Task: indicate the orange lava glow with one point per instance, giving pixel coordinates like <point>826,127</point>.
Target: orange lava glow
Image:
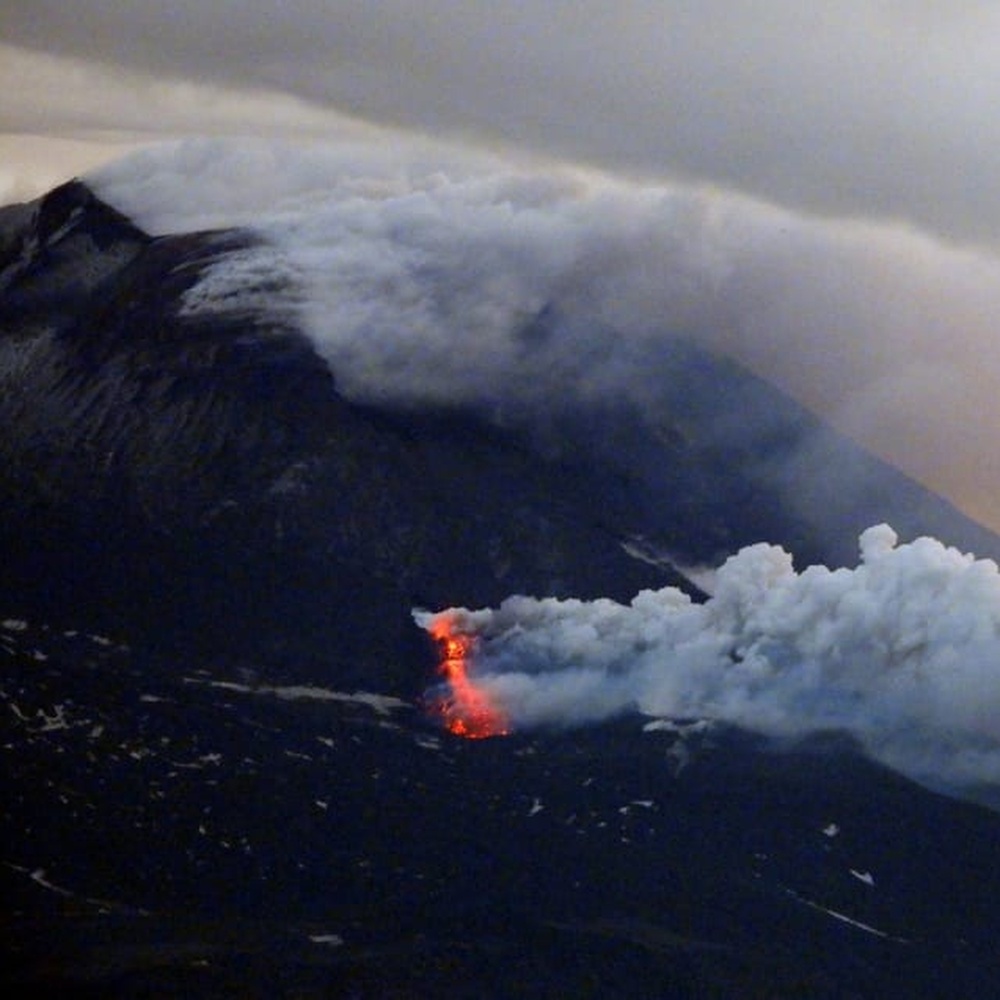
<point>467,710</point>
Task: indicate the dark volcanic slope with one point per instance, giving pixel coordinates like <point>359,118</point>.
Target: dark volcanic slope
<point>182,833</point>
<point>202,475</point>
<point>206,550</point>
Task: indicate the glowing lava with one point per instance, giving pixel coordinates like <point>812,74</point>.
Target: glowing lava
<point>467,710</point>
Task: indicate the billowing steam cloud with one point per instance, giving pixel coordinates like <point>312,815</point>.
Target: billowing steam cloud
<point>902,651</point>
<point>422,273</point>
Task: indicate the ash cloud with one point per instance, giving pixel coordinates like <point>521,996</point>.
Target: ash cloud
<point>901,651</point>
<point>423,271</point>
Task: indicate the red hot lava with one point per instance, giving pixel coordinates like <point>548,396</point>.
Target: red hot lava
<point>467,710</point>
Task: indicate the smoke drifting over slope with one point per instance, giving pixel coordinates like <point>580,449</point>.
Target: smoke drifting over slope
<point>421,274</point>
<point>901,651</point>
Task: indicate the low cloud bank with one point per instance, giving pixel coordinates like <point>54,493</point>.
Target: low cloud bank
<point>902,651</point>
<point>422,273</point>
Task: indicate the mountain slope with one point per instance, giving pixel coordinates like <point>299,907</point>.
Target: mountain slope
<point>193,472</point>
<point>192,832</point>
<point>219,778</point>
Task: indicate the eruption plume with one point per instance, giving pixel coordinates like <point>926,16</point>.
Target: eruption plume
<point>902,652</point>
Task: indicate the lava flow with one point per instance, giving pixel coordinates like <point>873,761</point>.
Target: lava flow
<point>467,710</point>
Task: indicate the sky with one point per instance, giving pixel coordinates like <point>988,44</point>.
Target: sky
<point>871,122</point>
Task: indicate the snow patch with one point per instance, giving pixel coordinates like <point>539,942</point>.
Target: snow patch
<point>843,918</point>
<point>331,940</point>
<point>382,704</point>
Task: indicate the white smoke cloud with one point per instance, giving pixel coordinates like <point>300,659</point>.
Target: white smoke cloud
<point>902,651</point>
<point>422,268</point>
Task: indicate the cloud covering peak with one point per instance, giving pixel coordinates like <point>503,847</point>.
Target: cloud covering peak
<point>421,271</point>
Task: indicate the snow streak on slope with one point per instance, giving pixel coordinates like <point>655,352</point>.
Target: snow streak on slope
<point>902,651</point>
<point>421,273</point>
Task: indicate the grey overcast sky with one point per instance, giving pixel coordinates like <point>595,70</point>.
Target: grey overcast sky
<point>882,109</point>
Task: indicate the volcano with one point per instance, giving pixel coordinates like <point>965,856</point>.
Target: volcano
<point>221,775</point>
